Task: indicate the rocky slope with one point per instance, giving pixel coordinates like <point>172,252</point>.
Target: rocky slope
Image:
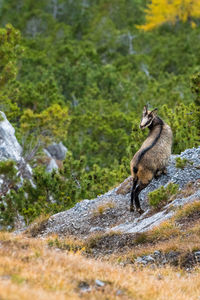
<point>110,212</point>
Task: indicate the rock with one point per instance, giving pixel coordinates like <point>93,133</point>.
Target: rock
<point>148,259</point>
<point>157,253</point>
<point>138,260</point>
<point>52,165</point>
<point>144,260</point>
<point>99,283</point>
<point>84,287</point>
<point>9,146</point>
<point>57,151</point>
<point>95,229</point>
<point>119,293</point>
<point>11,149</point>
<point>81,219</point>
<point>19,222</point>
<point>197,256</point>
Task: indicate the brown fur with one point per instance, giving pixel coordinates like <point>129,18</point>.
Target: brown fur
<point>157,157</point>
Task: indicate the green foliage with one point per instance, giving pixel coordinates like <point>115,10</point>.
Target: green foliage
<point>184,121</point>
<point>195,85</point>
<point>161,196</point>
<point>50,124</point>
<point>9,51</point>
<point>182,162</point>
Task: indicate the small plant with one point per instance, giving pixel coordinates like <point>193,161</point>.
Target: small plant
<point>68,244</point>
<point>103,208</point>
<point>38,225</point>
<point>181,163</point>
<point>165,230</point>
<point>161,196</point>
<point>93,240</point>
<point>141,238</point>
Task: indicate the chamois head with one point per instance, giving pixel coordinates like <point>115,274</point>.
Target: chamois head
<point>147,117</point>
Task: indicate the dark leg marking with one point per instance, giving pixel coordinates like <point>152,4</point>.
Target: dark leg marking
<point>133,194</point>
<point>138,189</point>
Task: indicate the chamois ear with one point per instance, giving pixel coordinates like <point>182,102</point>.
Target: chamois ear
<point>145,110</point>
<point>154,112</point>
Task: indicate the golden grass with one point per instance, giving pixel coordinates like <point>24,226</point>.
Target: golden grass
<point>103,208</point>
<point>29,269</point>
<point>38,224</point>
<point>187,210</point>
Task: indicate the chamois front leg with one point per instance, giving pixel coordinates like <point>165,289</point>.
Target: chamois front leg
<point>133,194</point>
<point>138,189</point>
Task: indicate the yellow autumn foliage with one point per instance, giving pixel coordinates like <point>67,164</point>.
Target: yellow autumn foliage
<point>159,12</point>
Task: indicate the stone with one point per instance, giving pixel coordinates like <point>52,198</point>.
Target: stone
<point>148,258</point>
<point>10,149</point>
<point>52,165</point>
<point>99,283</point>
<point>57,151</point>
<point>84,287</point>
<point>157,253</point>
<point>95,229</point>
<point>9,146</point>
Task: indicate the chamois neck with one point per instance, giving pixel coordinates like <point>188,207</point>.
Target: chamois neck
<point>156,122</point>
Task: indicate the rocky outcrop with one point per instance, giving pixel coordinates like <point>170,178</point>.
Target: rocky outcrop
<point>110,212</point>
<point>56,153</point>
<point>10,149</point>
<point>9,146</point>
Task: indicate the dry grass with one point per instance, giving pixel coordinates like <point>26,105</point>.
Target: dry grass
<point>103,208</point>
<point>29,269</point>
<point>187,210</point>
<point>38,224</point>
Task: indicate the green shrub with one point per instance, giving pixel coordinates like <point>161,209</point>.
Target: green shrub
<point>161,196</point>
<point>182,162</point>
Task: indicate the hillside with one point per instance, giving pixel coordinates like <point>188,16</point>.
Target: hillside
<point>77,254</point>
<point>110,212</point>
<point>32,269</point>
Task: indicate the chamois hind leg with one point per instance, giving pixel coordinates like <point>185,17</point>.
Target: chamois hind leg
<point>146,176</point>
<point>133,194</point>
<point>139,188</point>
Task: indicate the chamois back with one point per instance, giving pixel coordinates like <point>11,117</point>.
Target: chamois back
<point>153,156</point>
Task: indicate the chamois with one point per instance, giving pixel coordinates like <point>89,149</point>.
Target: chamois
<point>151,159</point>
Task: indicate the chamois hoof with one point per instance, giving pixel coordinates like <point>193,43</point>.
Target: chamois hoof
<point>132,208</point>
<point>140,211</point>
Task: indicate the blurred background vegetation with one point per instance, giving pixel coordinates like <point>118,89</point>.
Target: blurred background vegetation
<point>80,72</point>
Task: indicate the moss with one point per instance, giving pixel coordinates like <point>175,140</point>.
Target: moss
<point>161,196</point>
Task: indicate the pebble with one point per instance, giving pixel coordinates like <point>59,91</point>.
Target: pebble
<point>84,287</point>
<point>157,253</point>
<point>148,258</point>
<point>99,283</point>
